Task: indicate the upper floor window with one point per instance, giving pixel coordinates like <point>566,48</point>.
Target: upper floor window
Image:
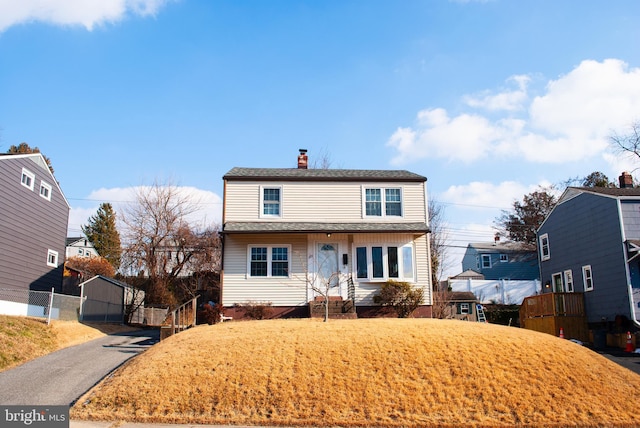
<point>486,261</point>
<point>28,178</point>
<point>587,277</point>
<point>385,262</point>
<point>45,190</point>
<point>381,202</point>
<point>269,261</point>
<point>504,257</point>
<point>271,201</point>
<point>545,254</point>
<point>52,258</point>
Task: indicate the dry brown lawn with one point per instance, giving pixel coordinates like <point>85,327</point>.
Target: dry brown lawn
<point>367,372</point>
<point>23,339</point>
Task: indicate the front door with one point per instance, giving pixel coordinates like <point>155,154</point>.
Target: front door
<point>328,271</point>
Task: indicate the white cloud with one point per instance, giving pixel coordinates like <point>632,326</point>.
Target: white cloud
<point>482,194</point>
<point>87,13</point>
<point>207,214</point>
<point>509,100</point>
<point>571,121</point>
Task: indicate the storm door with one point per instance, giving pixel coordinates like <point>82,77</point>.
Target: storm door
<point>328,271</point>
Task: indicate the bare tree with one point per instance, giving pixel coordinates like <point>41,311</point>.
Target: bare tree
<point>438,238</point>
<point>161,245</point>
<point>322,280</point>
<point>441,304</point>
<point>629,143</point>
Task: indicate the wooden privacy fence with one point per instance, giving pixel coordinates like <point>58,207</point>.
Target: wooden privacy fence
<point>180,319</point>
<point>549,312</point>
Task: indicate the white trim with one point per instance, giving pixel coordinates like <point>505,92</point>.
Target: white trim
<point>543,256</point>
<point>383,201</point>
<point>269,260</point>
<point>52,258</point>
<point>482,259</point>
<point>557,275</point>
<point>385,262</point>
<point>280,205</point>
<point>587,277</point>
<point>27,179</point>
<point>47,190</point>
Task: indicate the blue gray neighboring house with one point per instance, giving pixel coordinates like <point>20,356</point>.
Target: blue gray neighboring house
<point>590,242</point>
<point>502,260</point>
<point>33,224</point>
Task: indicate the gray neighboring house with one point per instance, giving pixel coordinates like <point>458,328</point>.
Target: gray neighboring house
<point>106,299</point>
<point>590,243</point>
<point>34,215</point>
<point>502,260</point>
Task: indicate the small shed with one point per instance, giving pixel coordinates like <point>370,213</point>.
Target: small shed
<point>106,299</point>
<point>463,305</point>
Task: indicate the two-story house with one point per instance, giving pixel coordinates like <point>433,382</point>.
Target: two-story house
<point>502,260</point>
<point>292,232</point>
<point>80,247</point>
<point>33,224</point>
<point>590,243</point>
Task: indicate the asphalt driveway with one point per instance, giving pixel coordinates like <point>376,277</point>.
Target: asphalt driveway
<point>61,377</point>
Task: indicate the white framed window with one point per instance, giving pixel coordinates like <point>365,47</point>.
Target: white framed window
<point>271,201</point>
<point>28,178</point>
<point>382,202</point>
<point>52,258</point>
<point>568,281</point>
<point>545,254</point>
<point>504,258</point>
<point>486,261</point>
<point>382,262</point>
<point>269,260</point>
<point>587,277</point>
<point>464,308</point>
<point>45,190</point>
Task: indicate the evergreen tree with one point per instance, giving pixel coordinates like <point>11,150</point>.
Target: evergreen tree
<point>24,148</point>
<point>103,234</point>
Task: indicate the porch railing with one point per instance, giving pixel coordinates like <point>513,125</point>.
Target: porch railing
<point>181,318</point>
<point>553,305</point>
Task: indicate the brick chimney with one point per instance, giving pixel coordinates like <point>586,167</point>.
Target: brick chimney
<point>626,180</point>
<point>302,159</point>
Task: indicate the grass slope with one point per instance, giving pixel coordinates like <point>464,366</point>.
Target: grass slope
<point>367,372</point>
<point>23,339</point>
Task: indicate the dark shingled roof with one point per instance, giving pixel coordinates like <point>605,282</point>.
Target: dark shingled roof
<point>611,191</point>
<point>299,174</point>
<point>302,227</point>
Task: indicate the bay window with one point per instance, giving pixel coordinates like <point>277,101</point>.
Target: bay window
<point>385,262</point>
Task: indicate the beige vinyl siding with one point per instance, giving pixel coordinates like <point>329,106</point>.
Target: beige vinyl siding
<point>320,201</point>
<point>238,287</point>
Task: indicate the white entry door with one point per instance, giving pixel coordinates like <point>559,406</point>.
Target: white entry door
<point>327,268</point>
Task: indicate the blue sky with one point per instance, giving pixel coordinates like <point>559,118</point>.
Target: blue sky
<point>487,99</point>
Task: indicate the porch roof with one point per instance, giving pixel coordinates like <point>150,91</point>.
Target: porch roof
<point>315,227</point>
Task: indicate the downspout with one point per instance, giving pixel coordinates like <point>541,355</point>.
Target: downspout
<point>634,316</point>
<point>222,236</point>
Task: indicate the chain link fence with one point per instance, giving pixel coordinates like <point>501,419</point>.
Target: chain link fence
<point>42,304</point>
